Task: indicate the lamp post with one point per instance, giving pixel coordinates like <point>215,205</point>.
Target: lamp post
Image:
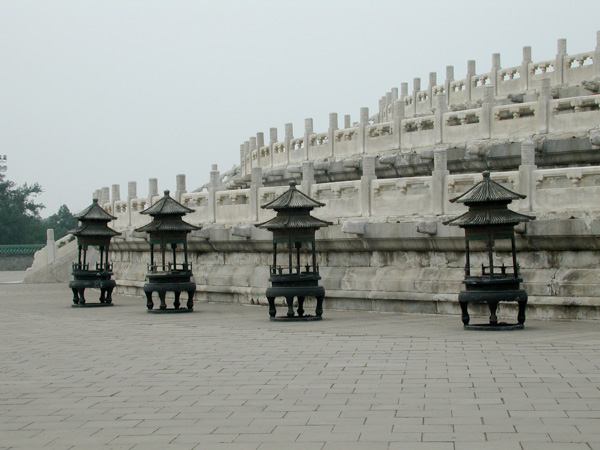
<point>93,231</point>
<point>489,220</point>
<point>168,233</point>
<point>294,233</point>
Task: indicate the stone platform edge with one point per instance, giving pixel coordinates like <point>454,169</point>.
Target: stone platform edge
<point>538,307</point>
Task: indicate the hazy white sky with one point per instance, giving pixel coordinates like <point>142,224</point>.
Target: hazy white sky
<point>102,92</point>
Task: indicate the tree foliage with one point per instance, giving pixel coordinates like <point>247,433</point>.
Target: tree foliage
<point>20,221</point>
<point>61,222</point>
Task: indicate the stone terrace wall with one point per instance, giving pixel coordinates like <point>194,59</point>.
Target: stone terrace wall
<point>386,182</point>
<point>555,96</point>
<point>388,249</point>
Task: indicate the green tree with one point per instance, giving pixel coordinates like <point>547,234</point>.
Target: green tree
<point>62,222</point>
<point>20,221</point>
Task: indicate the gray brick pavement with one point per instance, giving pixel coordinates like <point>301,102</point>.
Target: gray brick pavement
<point>225,377</point>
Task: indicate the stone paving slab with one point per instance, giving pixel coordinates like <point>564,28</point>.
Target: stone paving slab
<point>225,377</point>
<point>11,276</point>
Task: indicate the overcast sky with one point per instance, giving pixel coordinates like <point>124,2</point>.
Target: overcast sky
<point>102,92</point>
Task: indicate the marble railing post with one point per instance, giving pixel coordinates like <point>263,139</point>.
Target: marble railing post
<point>597,56</point>
<point>333,127</point>
<point>526,181</point>
<point>213,186</point>
<point>181,187</point>
<point>50,246</point>
<point>242,160</point>
<point>403,91</point>
<point>416,89</point>
<point>388,102</point>
<point>308,176</point>
<point>255,184</point>
<point>470,74</point>
<point>105,196</point>
<point>131,190</point>
<point>449,79</point>
<point>255,162</point>
<point>260,143</point>
<point>440,108</point>
<point>438,180</point>
<point>248,157</point>
<point>496,66</point>
<point>308,130</point>
<point>398,116</point>
<point>561,52</point>
<point>394,100</point>
<point>116,192</point>
<point>485,122</point>
<point>215,177</point>
<point>272,141</point>
<point>432,83</point>
<point>116,196</point>
<point>131,194</point>
<point>289,135</point>
<point>368,175</point>
<point>544,105</point>
<point>347,121</point>
<point>525,68</point>
<point>152,190</point>
<point>364,121</point>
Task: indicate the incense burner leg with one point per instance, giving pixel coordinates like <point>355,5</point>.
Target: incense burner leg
<point>465,313</point>
<point>176,303</point>
<point>163,303</point>
<point>81,297</point>
<point>190,302</point>
<point>109,295</point>
<point>290,304</point>
<point>493,305</point>
<point>319,308</point>
<point>75,296</point>
<point>149,302</point>
<point>300,306</point>
<point>102,295</point>
<point>521,314</point>
<point>272,310</point>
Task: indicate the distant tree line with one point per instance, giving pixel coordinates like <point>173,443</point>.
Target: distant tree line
<point>20,220</point>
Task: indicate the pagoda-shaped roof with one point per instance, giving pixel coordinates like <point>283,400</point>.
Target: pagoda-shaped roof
<point>94,212</point>
<point>167,206</point>
<point>93,222</point>
<point>293,211</point>
<point>293,199</point>
<point>292,221</point>
<point>93,230</point>
<point>489,216</point>
<point>487,191</point>
<point>167,225</point>
<point>487,202</point>
<point>167,213</point>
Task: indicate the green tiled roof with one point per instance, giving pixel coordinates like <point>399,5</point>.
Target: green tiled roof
<point>23,249</point>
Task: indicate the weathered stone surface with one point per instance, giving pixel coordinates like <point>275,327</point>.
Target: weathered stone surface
<point>386,183</point>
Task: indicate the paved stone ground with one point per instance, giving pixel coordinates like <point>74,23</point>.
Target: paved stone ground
<point>226,377</point>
